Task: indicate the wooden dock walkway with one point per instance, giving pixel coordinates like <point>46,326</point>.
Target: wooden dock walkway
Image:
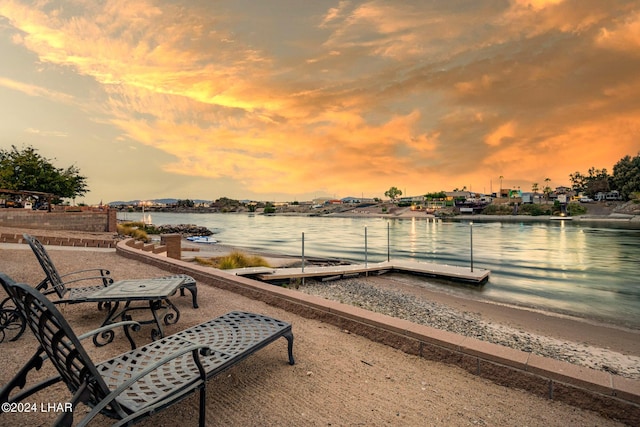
<point>478,276</point>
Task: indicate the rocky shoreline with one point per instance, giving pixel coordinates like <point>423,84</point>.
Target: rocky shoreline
<point>361,293</point>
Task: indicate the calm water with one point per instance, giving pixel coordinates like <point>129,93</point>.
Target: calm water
<point>574,268</point>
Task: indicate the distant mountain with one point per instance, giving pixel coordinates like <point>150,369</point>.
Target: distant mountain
<point>157,201</point>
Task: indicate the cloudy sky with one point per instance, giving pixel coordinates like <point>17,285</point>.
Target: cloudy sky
<point>291,100</point>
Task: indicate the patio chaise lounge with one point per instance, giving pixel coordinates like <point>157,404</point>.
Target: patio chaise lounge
<point>75,294</point>
<point>138,383</point>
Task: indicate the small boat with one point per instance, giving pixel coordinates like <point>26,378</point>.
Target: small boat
<point>202,239</point>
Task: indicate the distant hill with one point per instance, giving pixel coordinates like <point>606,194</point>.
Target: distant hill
<point>157,201</point>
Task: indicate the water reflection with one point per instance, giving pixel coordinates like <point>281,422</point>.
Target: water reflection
<point>577,268</point>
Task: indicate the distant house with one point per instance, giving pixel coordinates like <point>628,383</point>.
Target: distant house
<point>528,197</point>
<point>453,195</point>
<point>412,199</point>
<point>321,201</point>
<point>351,200</point>
<point>610,195</point>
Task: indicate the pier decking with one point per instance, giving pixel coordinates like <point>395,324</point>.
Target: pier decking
<point>478,276</point>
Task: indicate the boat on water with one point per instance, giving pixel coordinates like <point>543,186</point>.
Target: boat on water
<point>202,239</point>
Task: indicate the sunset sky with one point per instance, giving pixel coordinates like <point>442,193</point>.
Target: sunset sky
<point>290,100</point>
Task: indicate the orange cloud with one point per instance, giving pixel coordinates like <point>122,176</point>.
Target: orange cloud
<point>358,97</point>
<point>624,36</point>
<point>504,131</point>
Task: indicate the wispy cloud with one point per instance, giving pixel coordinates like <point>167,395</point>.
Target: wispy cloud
<point>36,91</point>
<point>354,97</point>
<point>47,133</point>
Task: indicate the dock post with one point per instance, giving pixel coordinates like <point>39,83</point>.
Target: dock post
<point>471,242</point>
<point>365,249</point>
<point>388,243</point>
<point>303,256</point>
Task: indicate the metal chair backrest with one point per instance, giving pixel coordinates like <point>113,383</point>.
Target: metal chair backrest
<point>45,261</point>
<point>60,343</point>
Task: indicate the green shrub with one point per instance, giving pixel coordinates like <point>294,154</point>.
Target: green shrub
<point>576,209</point>
<point>534,209</point>
<point>498,210</point>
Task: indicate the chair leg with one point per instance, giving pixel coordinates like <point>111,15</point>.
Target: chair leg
<point>191,287</point>
<point>203,406</point>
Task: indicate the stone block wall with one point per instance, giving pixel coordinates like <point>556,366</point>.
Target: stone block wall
<point>93,221</point>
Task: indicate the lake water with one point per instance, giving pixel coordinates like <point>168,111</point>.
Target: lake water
<point>587,270</point>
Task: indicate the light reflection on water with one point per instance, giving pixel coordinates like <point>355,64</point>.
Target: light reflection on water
<point>589,271</point>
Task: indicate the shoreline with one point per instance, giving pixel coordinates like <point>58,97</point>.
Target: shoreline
<point>340,377</point>
<point>582,341</point>
<point>579,340</point>
<point>440,286</point>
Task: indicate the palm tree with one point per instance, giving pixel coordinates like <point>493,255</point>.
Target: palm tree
<point>547,189</point>
<point>534,189</point>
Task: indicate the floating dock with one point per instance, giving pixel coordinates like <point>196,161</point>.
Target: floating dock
<point>478,276</point>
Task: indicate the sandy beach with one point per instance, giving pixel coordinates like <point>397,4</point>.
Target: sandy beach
<point>339,378</point>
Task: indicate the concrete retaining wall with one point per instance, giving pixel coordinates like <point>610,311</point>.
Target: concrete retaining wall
<point>59,241</point>
<point>94,221</point>
<point>611,395</point>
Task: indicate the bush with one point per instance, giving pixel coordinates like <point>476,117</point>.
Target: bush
<point>534,209</point>
<point>132,229</point>
<point>498,210</point>
<point>235,259</point>
<point>576,209</point>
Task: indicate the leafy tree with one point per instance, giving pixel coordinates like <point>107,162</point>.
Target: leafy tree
<point>186,203</point>
<point>393,193</point>
<point>27,170</point>
<point>626,175</point>
<point>269,208</point>
<point>597,181</point>
<point>578,182</point>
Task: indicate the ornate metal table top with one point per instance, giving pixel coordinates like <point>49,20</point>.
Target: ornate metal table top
<point>137,289</point>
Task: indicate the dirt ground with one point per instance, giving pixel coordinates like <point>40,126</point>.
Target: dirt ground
<point>338,379</point>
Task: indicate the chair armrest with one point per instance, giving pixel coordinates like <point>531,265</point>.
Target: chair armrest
<point>195,350</point>
<point>104,275</point>
<point>100,330</point>
<point>103,272</point>
<point>107,327</point>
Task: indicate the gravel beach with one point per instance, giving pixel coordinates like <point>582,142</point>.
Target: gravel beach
<point>597,346</point>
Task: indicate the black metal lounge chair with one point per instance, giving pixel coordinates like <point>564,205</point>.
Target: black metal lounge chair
<point>71,294</point>
<point>141,382</point>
